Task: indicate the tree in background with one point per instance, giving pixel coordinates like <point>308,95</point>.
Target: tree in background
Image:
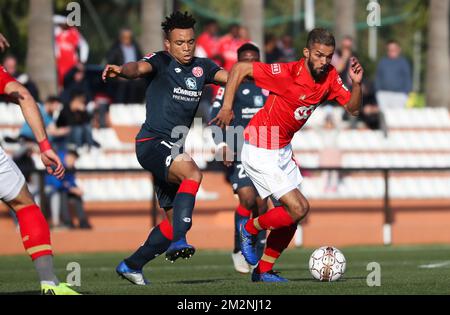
<point>13,18</point>
<point>152,14</point>
<point>438,55</point>
<point>344,19</point>
<point>41,53</point>
<point>253,19</point>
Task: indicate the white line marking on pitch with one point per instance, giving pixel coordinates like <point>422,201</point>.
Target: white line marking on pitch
<point>438,265</point>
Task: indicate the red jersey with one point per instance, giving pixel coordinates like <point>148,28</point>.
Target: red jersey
<point>294,95</point>
<point>228,47</point>
<point>209,43</point>
<point>67,42</point>
<point>5,78</point>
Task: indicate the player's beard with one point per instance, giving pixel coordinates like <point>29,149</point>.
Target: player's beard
<point>317,74</point>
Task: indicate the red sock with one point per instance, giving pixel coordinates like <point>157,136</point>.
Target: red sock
<point>189,186</point>
<point>243,212</point>
<point>34,231</point>
<point>276,243</point>
<point>166,229</point>
<point>273,219</point>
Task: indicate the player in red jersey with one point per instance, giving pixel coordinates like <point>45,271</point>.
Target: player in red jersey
<point>296,89</point>
<point>14,192</point>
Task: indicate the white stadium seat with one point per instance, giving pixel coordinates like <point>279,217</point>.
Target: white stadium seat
<point>127,189</point>
<point>11,114</point>
<point>418,118</point>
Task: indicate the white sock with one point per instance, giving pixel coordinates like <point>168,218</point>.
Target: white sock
<point>44,268</point>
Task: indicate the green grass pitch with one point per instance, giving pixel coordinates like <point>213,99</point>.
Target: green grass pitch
<point>404,270</point>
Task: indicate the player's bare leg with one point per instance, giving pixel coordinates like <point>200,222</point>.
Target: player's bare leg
<point>296,204</point>
<point>186,173</point>
<point>182,168</point>
<point>247,198</point>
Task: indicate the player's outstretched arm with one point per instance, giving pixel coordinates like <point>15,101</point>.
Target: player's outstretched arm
<point>33,117</point>
<point>237,74</point>
<point>130,70</point>
<point>356,74</point>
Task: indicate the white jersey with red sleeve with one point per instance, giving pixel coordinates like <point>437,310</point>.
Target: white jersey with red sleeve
<point>294,97</point>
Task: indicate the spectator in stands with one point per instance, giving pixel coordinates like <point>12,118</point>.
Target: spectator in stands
<point>65,194</point>
<point>286,45</point>
<point>228,46</point>
<point>341,59</point>
<point>101,118</point>
<point>76,79</point>
<point>207,46</point>
<point>370,112</point>
<point>273,53</point>
<point>125,50</point>
<point>70,47</point>
<point>23,157</point>
<point>331,155</point>
<point>76,116</point>
<point>230,43</point>
<point>393,80</point>
<point>244,34</point>
<point>51,106</point>
<point>208,42</point>
<point>10,64</point>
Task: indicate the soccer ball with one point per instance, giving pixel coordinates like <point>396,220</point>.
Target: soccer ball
<point>327,263</point>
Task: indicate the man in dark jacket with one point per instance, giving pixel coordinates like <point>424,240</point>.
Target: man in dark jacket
<point>125,50</point>
<point>393,79</point>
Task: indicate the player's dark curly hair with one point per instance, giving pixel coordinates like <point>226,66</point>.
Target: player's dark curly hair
<point>177,20</point>
<point>320,36</point>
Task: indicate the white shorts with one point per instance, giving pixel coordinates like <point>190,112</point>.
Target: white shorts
<point>273,172</point>
<point>11,178</point>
